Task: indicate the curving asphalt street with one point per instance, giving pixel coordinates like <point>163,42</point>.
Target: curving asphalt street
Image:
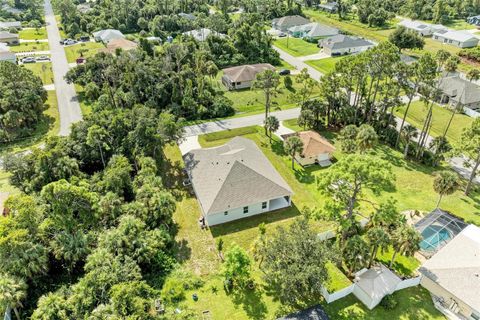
<point>68,105</point>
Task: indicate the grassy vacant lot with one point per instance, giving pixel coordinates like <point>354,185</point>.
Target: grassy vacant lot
<point>85,49</point>
<point>441,116</point>
<point>324,65</point>
<point>296,47</point>
<point>249,101</point>
<point>84,105</point>
<point>32,34</point>
<point>49,127</point>
<point>30,47</point>
<point>196,248</point>
<point>42,70</point>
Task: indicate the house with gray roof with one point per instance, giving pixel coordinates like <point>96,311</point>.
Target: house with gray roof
<point>235,181</point>
<point>202,34</point>
<point>475,20</point>
<point>287,22</point>
<point>331,7</point>
<point>342,44</point>
<point>423,29</point>
<point>187,16</point>
<point>458,91</point>
<point>9,38</point>
<point>452,276</point>
<point>457,38</point>
<point>6,25</point>
<point>242,77</point>
<point>313,31</point>
<point>107,35</point>
<point>8,56</point>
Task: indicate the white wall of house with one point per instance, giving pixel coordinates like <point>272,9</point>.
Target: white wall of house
<point>306,161</point>
<point>239,213</point>
<point>235,85</point>
<point>460,44</point>
<point>451,302</point>
<point>343,51</point>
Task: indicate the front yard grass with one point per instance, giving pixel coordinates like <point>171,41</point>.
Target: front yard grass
<point>33,34</point>
<point>441,116</point>
<point>85,49</point>
<point>324,65</point>
<point>296,47</point>
<point>43,70</point>
<point>30,47</point>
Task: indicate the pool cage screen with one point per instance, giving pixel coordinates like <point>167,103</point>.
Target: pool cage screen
<point>437,229</point>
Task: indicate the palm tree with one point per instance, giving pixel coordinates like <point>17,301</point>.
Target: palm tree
<point>378,239</point>
<point>268,81</point>
<point>406,241</point>
<point>271,125</point>
<point>293,145</point>
<point>355,253</point>
<point>445,183</point>
<point>12,292</point>
<point>408,133</point>
<point>366,138</point>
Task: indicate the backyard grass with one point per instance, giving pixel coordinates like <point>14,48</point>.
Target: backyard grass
<point>32,34</point>
<point>85,49</point>
<point>403,266</point>
<point>43,70</point>
<point>441,116</point>
<point>413,304</point>
<point>296,47</point>
<point>48,127</point>
<point>324,65</point>
<point>85,106</point>
<point>30,47</point>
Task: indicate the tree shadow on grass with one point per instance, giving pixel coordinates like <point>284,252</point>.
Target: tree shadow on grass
<point>182,250</point>
<point>251,301</point>
<point>254,221</point>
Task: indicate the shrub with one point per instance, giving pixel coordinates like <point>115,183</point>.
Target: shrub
<point>389,302</point>
<point>287,81</point>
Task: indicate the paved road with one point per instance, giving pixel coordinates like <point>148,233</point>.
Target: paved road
<point>68,105</point>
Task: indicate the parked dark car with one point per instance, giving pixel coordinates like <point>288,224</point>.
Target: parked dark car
<point>84,38</point>
<point>284,72</point>
<point>80,60</point>
<point>62,41</point>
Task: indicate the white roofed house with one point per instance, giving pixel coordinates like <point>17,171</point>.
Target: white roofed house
<point>202,34</point>
<point>8,56</point>
<point>422,28</point>
<point>342,45</point>
<point>235,181</point>
<point>107,35</point>
<point>452,276</point>
<point>461,39</point>
<point>6,25</point>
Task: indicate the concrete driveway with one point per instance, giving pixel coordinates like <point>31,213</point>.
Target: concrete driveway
<point>68,105</point>
<point>316,56</point>
<point>298,63</point>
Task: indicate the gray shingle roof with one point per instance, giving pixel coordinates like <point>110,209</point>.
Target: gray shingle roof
<point>108,35</point>
<point>8,35</point>
<point>456,267</point>
<point>342,41</point>
<point>233,175</point>
<point>291,21</point>
<point>460,90</point>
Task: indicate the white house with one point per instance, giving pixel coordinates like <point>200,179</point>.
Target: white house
<point>235,181</point>
<point>5,25</point>
<point>422,28</point>
<point>452,276</point>
<point>461,39</point>
<point>242,77</point>
<point>316,149</point>
<point>458,91</point>
<point>342,44</point>
<point>107,35</point>
<point>8,56</point>
<point>202,34</point>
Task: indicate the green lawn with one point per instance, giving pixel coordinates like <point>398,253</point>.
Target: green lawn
<point>324,65</point>
<point>404,266</point>
<point>32,34</point>
<point>459,24</point>
<point>75,51</point>
<point>413,304</point>
<point>195,248</point>
<point>85,106</point>
<point>42,70</point>
<point>49,127</point>
<point>30,47</point>
<point>247,101</point>
<point>296,47</point>
<point>441,116</point>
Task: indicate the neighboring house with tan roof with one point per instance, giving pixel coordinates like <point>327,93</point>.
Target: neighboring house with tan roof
<point>242,77</point>
<point>235,181</point>
<point>121,43</point>
<point>452,276</point>
<point>316,149</point>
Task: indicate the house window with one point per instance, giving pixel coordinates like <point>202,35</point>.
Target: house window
<point>245,209</point>
<point>264,205</point>
<point>225,213</point>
